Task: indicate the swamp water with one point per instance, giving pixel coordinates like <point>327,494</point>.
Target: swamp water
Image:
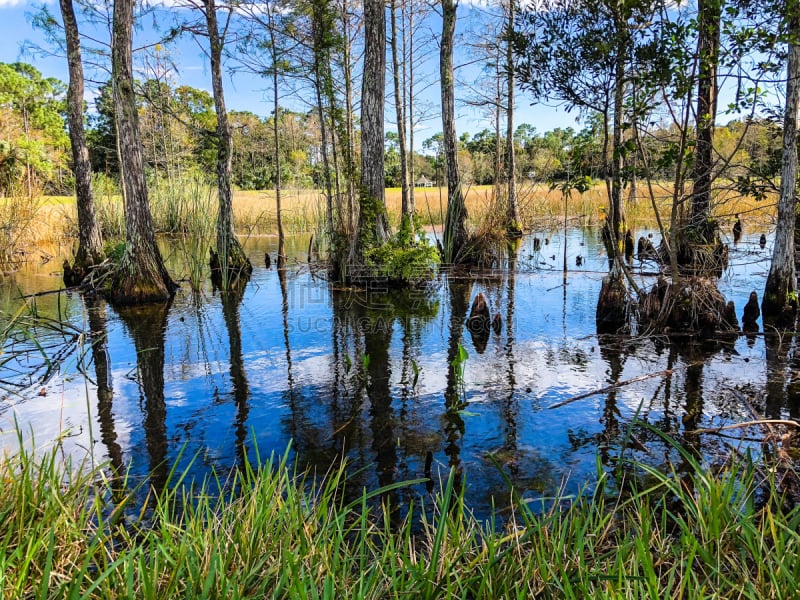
<point>370,377</point>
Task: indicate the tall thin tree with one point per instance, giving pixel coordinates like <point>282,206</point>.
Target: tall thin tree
<point>708,43</point>
<point>455,226</point>
<point>90,242</point>
<point>781,286</point>
<point>372,223</point>
<point>273,49</point>
<point>407,208</point>
<point>140,277</point>
<point>513,226</point>
<point>234,263</point>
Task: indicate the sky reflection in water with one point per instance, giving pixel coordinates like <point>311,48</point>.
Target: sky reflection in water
<point>216,375</point>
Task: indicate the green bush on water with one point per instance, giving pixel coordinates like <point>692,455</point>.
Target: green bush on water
<point>266,532</point>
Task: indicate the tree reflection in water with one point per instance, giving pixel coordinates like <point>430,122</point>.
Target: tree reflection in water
<point>231,302</point>
<point>96,316</point>
<point>147,326</point>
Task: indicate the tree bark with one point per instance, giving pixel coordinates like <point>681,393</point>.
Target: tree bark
<point>278,187</point>
<point>409,88</point>
<point>349,147</point>
<point>498,139</point>
<point>90,242</point>
<point>708,55</point>
<point>617,211</point>
<point>407,209</point>
<point>513,225</point>
<point>455,226</point>
<point>781,286</point>
<point>319,58</point>
<point>141,276</point>
<point>372,225</point>
<point>234,263</point>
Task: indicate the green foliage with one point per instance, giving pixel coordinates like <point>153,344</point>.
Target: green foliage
<point>114,249</point>
<point>33,138</point>
<point>405,258</point>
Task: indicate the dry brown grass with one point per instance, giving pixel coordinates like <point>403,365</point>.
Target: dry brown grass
<point>540,207</point>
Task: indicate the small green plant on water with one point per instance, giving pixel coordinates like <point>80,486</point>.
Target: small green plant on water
<point>416,371</point>
<point>457,365</point>
<point>407,257</point>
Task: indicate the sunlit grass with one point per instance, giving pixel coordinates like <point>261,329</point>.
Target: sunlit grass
<point>255,211</point>
<point>263,531</point>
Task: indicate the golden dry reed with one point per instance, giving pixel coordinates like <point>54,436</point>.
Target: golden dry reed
<point>303,209</point>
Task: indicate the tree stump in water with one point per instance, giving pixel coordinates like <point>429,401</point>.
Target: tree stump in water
<point>629,245</point>
<point>729,316</point>
<point>497,323</point>
<point>72,276</point>
<point>234,276</point>
<point>695,305</point>
<point>751,313</point>
<point>645,249</point>
<point>479,323</point>
<point>612,305</point>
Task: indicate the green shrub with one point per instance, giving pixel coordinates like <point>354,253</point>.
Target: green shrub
<point>406,258</point>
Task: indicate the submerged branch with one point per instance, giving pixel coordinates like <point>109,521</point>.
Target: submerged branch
<point>611,388</point>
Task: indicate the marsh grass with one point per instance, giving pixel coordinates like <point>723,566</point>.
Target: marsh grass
<point>265,531</point>
<point>176,208</point>
<point>20,228</point>
<point>194,226</point>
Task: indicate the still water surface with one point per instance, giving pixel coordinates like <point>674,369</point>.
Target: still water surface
<point>367,376</point>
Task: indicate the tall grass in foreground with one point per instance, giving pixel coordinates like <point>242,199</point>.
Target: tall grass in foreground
<point>265,532</point>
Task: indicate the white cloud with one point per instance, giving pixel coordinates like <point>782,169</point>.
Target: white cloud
<point>12,3</point>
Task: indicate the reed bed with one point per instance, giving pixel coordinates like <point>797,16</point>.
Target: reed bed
<point>180,206</point>
<point>265,531</point>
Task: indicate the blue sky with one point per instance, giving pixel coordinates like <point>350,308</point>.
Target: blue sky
<point>247,92</point>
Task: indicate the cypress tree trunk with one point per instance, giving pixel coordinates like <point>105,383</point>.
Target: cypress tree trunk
<point>407,210</point>
<point>349,149</point>
<point>708,53</point>
<point>513,226</point>
<point>455,224</point>
<point>90,242</point>
<point>278,184</point>
<point>781,283</point>
<point>233,261</point>
<point>409,87</point>
<point>497,168</point>
<point>318,34</point>
<point>140,277</point>
<point>617,211</point>
<point>372,225</point>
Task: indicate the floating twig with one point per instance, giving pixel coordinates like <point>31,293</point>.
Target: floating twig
<point>756,423</point>
<point>612,387</point>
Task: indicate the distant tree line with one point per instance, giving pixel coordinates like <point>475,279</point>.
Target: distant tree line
<point>176,120</point>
